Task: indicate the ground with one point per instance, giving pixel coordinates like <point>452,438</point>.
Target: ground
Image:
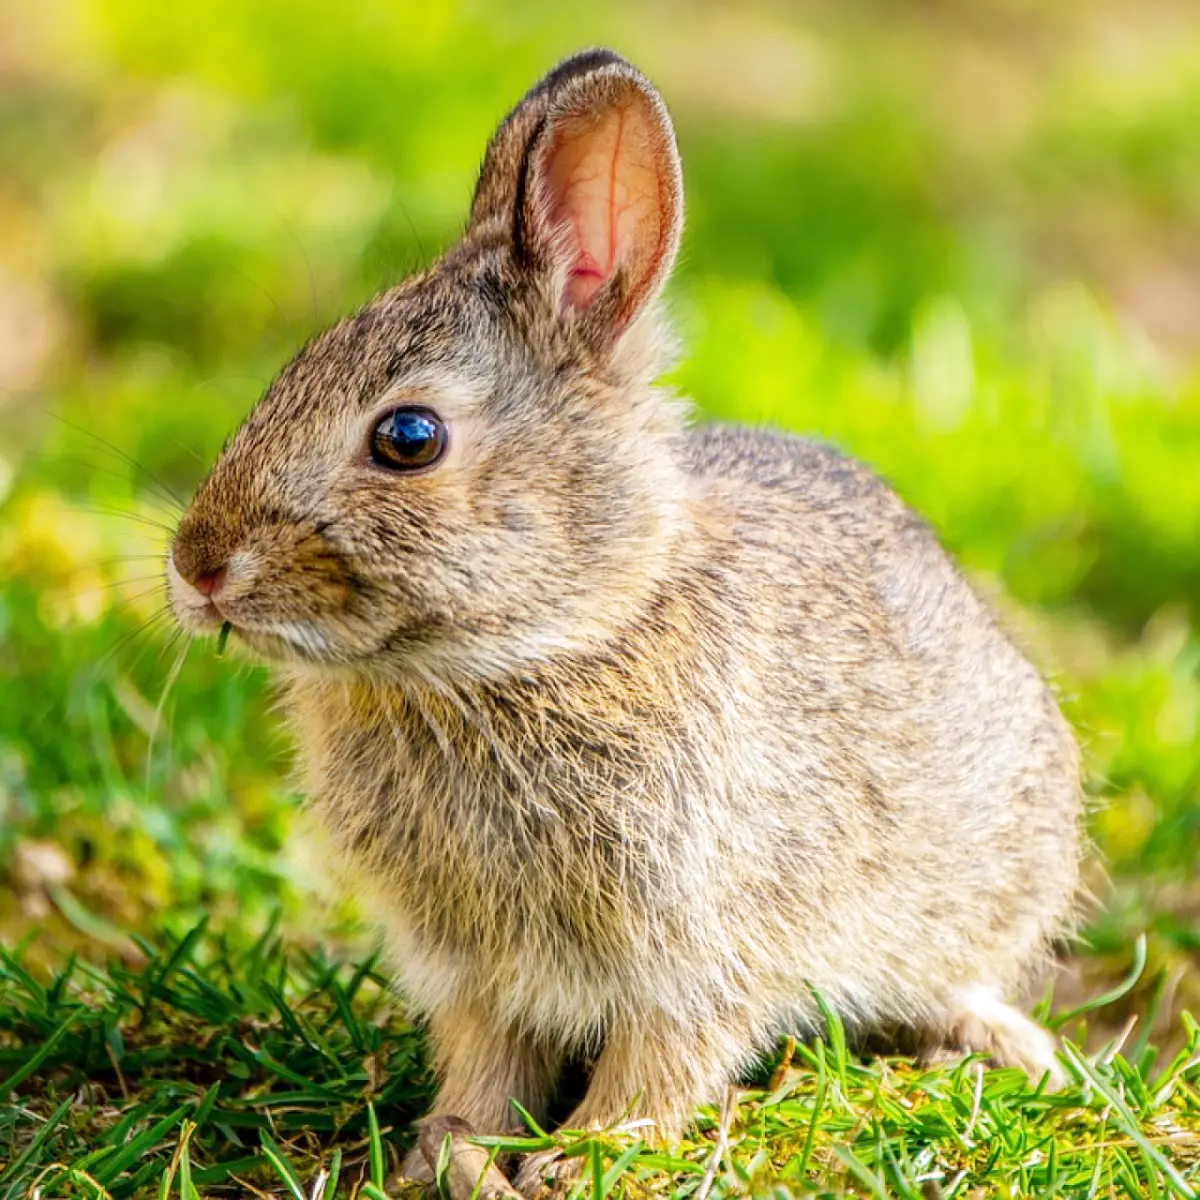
<point>958,239</point>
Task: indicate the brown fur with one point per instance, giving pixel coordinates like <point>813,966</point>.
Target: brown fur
<point>637,731</point>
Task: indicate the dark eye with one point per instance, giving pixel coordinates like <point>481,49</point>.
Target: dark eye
<point>408,439</point>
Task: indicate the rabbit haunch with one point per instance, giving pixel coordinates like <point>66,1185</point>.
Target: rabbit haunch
<point>630,733</point>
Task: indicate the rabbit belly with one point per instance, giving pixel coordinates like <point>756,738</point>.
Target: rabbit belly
<point>726,908</point>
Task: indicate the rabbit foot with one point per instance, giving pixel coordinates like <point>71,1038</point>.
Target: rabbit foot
<point>547,1173</point>
<point>984,1024</point>
<point>415,1168</point>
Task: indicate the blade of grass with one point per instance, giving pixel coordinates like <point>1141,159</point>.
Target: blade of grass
<point>441,1169</point>
<point>283,1168</point>
<point>621,1164</point>
<point>1113,994</point>
<point>47,1048</point>
<point>862,1172</point>
<point>1120,1112</point>
<point>818,1108</point>
<point>108,1168</point>
<point>335,1173</point>
<point>528,1118</point>
<point>28,1155</point>
<point>491,1161</point>
<point>375,1147</point>
<point>835,1034</point>
<point>187,1190</point>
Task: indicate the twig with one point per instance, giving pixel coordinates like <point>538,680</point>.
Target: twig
<point>976,1102</point>
<point>780,1072</point>
<point>728,1106</point>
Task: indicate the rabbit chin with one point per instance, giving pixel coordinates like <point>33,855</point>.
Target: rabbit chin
<point>291,641</point>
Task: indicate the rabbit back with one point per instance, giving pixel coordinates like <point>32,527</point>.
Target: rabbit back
<point>934,744</point>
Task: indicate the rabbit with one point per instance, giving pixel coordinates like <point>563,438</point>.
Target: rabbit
<point>630,733</point>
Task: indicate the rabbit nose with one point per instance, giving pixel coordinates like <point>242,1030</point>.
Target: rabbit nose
<point>204,566</point>
<point>209,582</point>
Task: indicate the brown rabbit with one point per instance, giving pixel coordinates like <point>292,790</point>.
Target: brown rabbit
<point>638,731</point>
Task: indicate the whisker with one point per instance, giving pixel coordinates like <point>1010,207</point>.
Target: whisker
<point>312,279</point>
<point>118,583</point>
<point>423,257</point>
<point>167,646</point>
<point>149,640</point>
<point>107,658</point>
<point>99,566</point>
<point>104,511</point>
<point>397,258</point>
<point>283,317</point>
<point>172,676</point>
<point>164,489</point>
<point>214,380</point>
<point>151,497</point>
<point>159,587</point>
<point>190,452</point>
<point>156,544</point>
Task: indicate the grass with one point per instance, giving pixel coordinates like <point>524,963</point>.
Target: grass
<point>213,1069</point>
<point>958,240</point>
<point>201,1063</point>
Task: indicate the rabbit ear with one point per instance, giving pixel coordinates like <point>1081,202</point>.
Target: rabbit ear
<point>603,197</point>
<point>503,169</point>
<point>596,202</point>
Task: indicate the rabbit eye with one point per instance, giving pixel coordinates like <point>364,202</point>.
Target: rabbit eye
<point>408,439</point>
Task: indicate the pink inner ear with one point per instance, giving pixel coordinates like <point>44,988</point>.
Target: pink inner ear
<point>605,193</point>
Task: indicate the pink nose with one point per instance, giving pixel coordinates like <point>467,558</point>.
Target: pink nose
<point>207,583</point>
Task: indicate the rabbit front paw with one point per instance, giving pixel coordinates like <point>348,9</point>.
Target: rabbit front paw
<point>547,1173</point>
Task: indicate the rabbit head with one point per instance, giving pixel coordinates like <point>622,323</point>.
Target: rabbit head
<point>474,470</point>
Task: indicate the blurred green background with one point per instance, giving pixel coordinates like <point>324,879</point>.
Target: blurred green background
<point>961,238</point>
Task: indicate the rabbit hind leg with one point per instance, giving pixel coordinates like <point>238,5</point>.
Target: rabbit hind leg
<point>979,1022</point>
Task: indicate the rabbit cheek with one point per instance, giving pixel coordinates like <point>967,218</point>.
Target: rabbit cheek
<point>290,592</point>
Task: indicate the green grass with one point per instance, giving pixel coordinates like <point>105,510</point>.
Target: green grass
<point>266,1066</point>
<point>199,1060</point>
<point>958,240</point>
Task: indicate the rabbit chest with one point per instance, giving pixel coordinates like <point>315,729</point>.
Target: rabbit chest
<point>516,839</point>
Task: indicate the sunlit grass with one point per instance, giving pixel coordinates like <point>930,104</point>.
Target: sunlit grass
<point>232,1067</point>
<point>958,243</point>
